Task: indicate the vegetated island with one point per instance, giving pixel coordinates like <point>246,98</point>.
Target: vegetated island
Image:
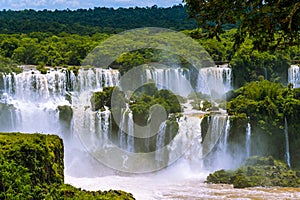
<point>258,171</point>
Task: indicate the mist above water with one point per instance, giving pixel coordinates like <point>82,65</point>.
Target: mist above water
<point>30,100</point>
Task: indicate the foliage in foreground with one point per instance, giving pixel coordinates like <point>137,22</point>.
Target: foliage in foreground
<point>270,24</point>
<point>31,167</point>
<point>258,171</point>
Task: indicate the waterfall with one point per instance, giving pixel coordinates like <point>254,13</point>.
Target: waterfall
<point>29,103</point>
<point>214,80</point>
<point>214,133</point>
<point>210,80</point>
<point>96,78</point>
<point>287,146</point>
<point>160,143</point>
<point>130,132</point>
<point>126,130</point>
<point>188,141</point>
<point>176,80</point>
<point>216,152</point>
<point>294,75</point>
<point>248,140</point>
<point>224,141</point>
<point>103,125</point>
<point>33,98</point>
<point>122,134</point>
<point>31,85</point>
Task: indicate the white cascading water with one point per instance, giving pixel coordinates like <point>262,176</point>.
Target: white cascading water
<point>215,144</point>
<point>294,75</point>
<point>287,145</point>
<point>126,131</point>
<point>34,98</point>
<point>164,79</point>
<point>160,142</point>
<point>215,81</point>
<point>224,143</point>
<point>189,137</point>
<point>130,132</point>
<point>248,140</point>
<point>122,134</point>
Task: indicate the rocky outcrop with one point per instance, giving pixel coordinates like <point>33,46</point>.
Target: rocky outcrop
<point>32,167</point>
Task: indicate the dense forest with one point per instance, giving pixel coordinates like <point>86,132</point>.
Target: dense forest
<point>91,21</point>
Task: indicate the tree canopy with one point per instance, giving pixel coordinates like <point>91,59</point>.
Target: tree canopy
<point>270,24</point>
<point>90,21</point>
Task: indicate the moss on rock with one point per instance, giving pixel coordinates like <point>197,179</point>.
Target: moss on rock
<point>32,167</point>
<point>65,113</point>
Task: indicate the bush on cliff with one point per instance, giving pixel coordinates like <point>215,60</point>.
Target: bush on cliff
<point>31,167</point>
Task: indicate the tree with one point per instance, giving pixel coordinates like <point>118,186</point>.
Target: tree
<point>270,24</point>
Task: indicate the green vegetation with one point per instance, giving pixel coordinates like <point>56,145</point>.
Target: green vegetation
<point>258,171</point>
<point>91,21</point>
<point>266,105</point>
<point>31,167</point>
<point>8,66</point>
<point>140,102</point>
<point>147,96</point>
<point>44,49</point>
<point>103,98</point>
<point>270,24</point>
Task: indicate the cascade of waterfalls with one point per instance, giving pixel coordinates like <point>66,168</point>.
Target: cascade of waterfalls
<point>32,98</point>
<point>248,140</point>
<point>31,85</point>
<point>287,146</point>
<point>29,103</point>
<point>211,80</point>
<point>189,137</point>
<point>294,75</point>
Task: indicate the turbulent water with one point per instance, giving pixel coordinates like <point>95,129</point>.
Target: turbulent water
<point>29,103</point>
